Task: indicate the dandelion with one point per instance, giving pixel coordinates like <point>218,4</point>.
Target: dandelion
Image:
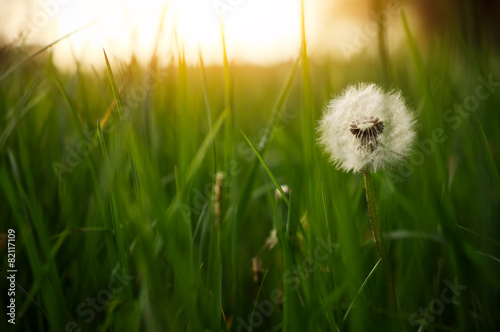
<point>367,129</point>
<point>364,130</point>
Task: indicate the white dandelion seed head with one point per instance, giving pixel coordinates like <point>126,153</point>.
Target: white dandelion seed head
<point>365,128</point>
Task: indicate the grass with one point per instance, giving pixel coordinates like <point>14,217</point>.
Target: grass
<point>107,178</point>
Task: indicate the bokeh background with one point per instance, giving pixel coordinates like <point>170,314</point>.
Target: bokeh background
<point>257,32</point>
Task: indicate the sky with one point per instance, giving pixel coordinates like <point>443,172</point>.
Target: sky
<point>256,31</point>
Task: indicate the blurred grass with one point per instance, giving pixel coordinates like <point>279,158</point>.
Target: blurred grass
<point>136,197</point>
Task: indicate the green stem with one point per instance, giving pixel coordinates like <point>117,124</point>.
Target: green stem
<point>382,42</point>
<point>379,241</point>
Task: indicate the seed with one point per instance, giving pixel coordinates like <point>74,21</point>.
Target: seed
<point>367,131</point>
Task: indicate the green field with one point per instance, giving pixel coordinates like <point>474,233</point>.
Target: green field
<point>109,183</point>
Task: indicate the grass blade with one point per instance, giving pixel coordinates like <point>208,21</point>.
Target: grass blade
<point>275,114</point>
<point>489,156</point>
<point>276,184</point>
<point>116,94</point>
<point>202,151</point>
<point>361,289</point>
<point>257,299</point>
<point>43,49</point>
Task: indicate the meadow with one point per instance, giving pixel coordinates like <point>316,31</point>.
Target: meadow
<point>152,198</point>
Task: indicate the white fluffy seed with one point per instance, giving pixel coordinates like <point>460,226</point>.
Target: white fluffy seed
<point>365,128</point>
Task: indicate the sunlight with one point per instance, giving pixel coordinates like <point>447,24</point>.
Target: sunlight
<point>122,27</point>
<point>255,31</point>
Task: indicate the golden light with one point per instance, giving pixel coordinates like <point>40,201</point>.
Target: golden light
<point>255,31</point>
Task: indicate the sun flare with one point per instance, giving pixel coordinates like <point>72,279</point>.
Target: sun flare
<point>255,31</point>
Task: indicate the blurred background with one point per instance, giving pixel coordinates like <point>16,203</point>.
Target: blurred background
<point>258,31</point>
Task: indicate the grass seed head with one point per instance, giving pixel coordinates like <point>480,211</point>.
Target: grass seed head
<point>217,198</point>
<point>257,269</point>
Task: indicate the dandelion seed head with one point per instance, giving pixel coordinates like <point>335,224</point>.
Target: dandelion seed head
<point>367,128</point>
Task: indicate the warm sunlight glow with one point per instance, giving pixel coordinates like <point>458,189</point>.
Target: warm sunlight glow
<point>122,27</point>
<point>255,31</point>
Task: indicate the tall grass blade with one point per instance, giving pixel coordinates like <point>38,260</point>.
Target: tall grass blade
<point>489,156</point>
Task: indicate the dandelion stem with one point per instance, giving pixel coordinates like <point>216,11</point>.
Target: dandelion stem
<point>379,242</point>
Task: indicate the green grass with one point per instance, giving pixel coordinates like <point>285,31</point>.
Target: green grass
<point>107,179</point>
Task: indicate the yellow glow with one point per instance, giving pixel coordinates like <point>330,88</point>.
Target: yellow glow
<point>255,30</point>
<point>122,27</point>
